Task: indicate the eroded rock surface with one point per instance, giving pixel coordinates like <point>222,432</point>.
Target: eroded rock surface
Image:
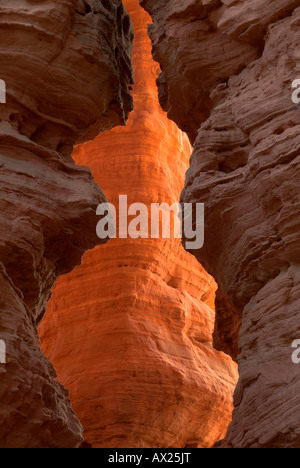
<point>227,326</point>
<point>67,71</point>
<point>130,331</point>
<point>227,71</point>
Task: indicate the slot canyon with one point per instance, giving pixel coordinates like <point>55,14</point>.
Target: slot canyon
<point>144,342</point>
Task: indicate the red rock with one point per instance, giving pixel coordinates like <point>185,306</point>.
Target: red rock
<point>130,331</point>
<point>245,168</point>
<point>227,326</point>
<point>64,84</point>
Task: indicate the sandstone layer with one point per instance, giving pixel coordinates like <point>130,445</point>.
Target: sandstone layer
<point>227,71</point>
<point>67,71</point>
<point>130,331</point>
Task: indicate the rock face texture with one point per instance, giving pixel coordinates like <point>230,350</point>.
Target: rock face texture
<point>67,71</point>
<point>227,326</point>
<point>227,71</point>
<point>130,331</point>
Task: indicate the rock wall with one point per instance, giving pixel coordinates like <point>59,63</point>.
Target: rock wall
<point>227,71</point>
<point>67,71</point>
<point>130,331</point>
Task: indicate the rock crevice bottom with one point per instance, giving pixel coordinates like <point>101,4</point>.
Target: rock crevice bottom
<point>227,74</point>
<point>67,69</point>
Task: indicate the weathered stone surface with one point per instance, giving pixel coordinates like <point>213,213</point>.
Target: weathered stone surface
<point>242,57</point>
<point>130,331</point>
<point>227,326</point>
<point>67,70</point>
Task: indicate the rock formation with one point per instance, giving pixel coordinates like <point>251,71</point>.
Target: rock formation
<point>227,71</point>
<point>130,331</point>
<point>67,70</point>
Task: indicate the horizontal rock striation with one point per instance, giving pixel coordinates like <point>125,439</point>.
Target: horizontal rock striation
<point>67,71</point>
<point>138,357</point>
<point>227,71</point>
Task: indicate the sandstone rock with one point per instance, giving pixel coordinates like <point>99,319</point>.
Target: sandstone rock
<point>66,66</point>
<point>242,57</point>
<point>130,331</point>
<point>227,326</point>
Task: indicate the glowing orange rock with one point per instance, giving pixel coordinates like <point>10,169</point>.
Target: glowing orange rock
<point>130,331</point>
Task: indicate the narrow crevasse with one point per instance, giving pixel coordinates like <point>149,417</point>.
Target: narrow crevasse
<point>130,331</point>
